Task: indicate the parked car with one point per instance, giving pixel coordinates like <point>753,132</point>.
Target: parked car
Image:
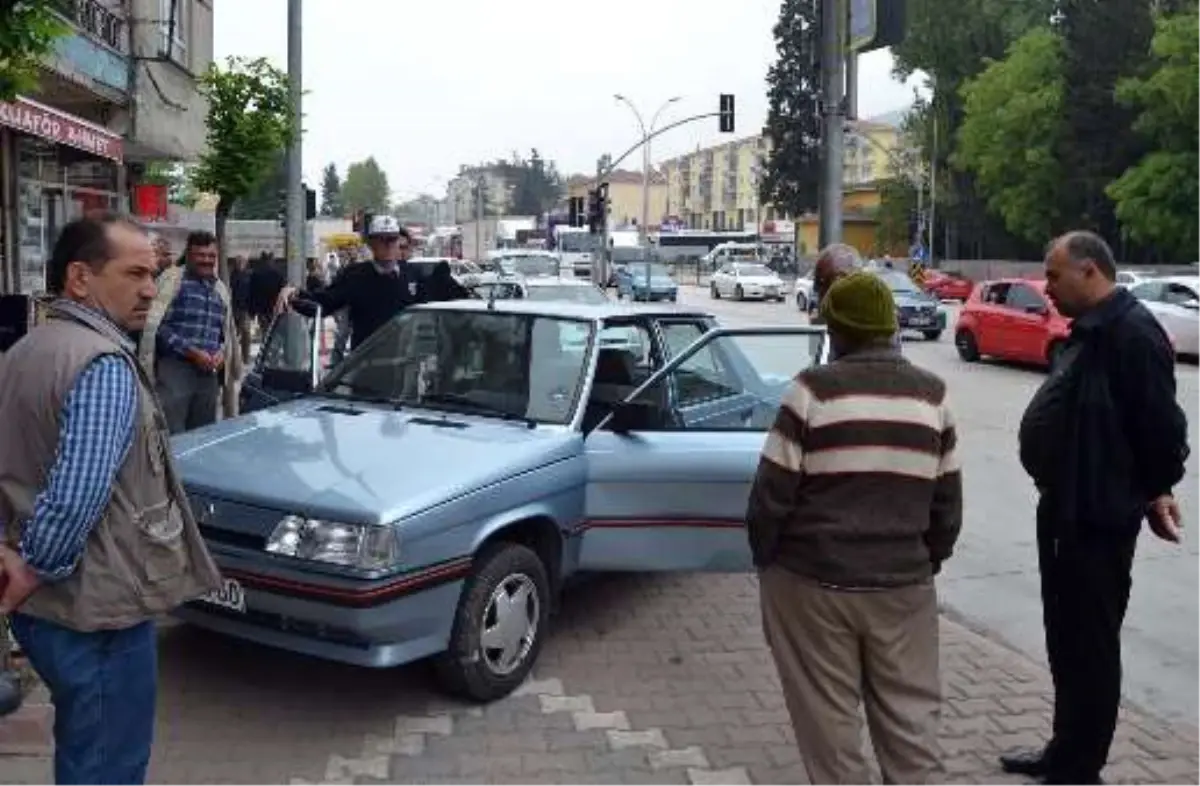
<point>428,498</point>
<point>464,272</point>
<point>526,262</point>
<point>1131,278</point>
<point>916,309</point>
<point>948,285</point>
<point>743,280</point>
<point>647,281</point>
<point>805,300</point>
<point>565,290</point>
<point>1011,319</point>
<point>1175,301</point>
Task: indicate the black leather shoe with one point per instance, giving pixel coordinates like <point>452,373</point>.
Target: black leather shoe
<point>1025,762</point>
<point>10,693</point>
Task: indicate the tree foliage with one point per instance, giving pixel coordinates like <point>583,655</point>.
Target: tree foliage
<point>176,177</point>
<point>268,196</point>
<point>536,184</point>
<point>250,121</point>
<point>366,187</point>
<point>28,31</point>
<point>1102,42</point>
<point>791,169</point>
<point>1010,133</point>
<point>1156,199</point>
<point>331,192</point>
<point>894,220</point>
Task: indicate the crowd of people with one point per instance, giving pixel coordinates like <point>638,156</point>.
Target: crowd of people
<point>856,505</point>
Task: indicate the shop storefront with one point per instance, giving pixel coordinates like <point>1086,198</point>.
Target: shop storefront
<point>54,167</point>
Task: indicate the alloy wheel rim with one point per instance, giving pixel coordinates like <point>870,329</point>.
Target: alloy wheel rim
<point>510,624</point>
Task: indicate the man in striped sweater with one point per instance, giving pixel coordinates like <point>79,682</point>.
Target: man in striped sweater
<point>857,502</point>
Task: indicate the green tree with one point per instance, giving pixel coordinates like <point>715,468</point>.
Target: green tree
<point>1010,133</point>
<point>28,31</point>
<point>536,184</point>
<point>250,120</point>
<point>951,41</point>
<point>791,168</point>
<point>331,192</point>
<point>176,177</point>
<point>268,196</point>
<point>1103,41</point>
<point>897,211</point>
<point>366,187</point>
<point>1156,198</point>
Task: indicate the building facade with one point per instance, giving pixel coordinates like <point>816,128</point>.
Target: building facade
<point>717,188</point>
<point>118,92</point>
<point>460,204</point>
<point>625,197</point>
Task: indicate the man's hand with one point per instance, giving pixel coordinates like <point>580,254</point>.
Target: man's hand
<point>284,301</point>
<point>17,580</point>
<point>1165,519</point>
<point>216,361</point>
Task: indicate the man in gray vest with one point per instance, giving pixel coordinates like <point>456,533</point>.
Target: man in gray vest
<point>99,539</point>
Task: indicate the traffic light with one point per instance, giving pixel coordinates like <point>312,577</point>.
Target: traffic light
<point>725,122</point>
<point>597,215</point>
<point>310,203</point>
<point>575,214</point>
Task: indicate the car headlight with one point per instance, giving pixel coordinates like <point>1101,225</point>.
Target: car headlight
<point>363,546</point>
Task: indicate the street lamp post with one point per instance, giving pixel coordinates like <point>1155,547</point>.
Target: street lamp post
<point>646,132</point>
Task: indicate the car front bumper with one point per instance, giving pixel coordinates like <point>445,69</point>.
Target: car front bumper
<point>377,624</point>
<point>758,292</point>
<point>921,319</point>
<point>655,294</point>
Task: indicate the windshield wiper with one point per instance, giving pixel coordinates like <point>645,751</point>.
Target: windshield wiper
<point>363,399</point>
<point>459,400</point>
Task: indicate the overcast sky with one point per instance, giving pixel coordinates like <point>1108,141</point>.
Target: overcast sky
<point>429,85</point>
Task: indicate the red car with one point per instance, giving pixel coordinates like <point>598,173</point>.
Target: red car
<point>1011,319</point>
<point>948,285</point>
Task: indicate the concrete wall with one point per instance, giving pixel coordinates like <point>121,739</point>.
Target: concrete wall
<point>170,113</point>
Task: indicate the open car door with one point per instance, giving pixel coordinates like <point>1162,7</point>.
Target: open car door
<point>288,363</point>
<point>670,468</point>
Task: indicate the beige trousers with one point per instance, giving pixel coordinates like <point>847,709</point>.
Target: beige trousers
<point>837,650</point>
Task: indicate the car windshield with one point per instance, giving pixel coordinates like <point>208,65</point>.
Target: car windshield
<point>753,270</point>
<point>642,269</point>
<point>576,242</point>
<point>529,265</point>
<point>897,282</point>
<point>567,293</point>
<point>518,366</point>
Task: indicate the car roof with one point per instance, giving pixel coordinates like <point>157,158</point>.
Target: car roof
<point>1191,281</point>
<point>568,310</point>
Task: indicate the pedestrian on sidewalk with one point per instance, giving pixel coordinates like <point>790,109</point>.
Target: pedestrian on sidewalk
<point>1105,441</point>
<point>190,345</point>
<point>856,505</point>
<point>99,538</point>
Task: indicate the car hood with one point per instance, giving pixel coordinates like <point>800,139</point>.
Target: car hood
<point>656,282</point>
<point>359,463</point>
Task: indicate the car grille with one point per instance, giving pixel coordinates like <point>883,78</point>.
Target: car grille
<point>278,622</point>
<point>914,311</point>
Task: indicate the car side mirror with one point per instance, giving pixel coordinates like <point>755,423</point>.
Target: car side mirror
<point>635,415</point>
<point>1037,308</point>
<point>1194,305</point>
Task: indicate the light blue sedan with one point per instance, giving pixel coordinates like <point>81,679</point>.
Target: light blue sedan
<point>646,281</point>
<point>429,496</point>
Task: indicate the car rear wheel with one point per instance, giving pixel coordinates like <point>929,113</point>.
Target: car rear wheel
<point>964,342</point>
<point>499,626</point>
<point>714,292</point>
<point>739,293</point>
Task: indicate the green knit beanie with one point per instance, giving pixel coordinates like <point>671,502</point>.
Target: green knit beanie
<point>859,305</point>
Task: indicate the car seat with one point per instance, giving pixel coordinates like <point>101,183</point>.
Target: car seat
<point>612,384</point>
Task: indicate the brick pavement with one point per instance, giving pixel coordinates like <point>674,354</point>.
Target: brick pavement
<point>645,679</point>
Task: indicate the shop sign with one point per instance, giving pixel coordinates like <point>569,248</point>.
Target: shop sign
<point>39,120</point>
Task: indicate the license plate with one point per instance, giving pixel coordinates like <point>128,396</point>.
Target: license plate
<point>920,321</point>
<point>230,596</point>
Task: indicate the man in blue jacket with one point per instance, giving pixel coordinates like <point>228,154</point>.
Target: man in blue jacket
<point>1105,442</point>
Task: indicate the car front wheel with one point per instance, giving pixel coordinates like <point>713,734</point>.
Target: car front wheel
<point>714,292</point>
<point>933,335</point>
<point>739,293</point>
<point>499,626</point>
<point>801,302</point>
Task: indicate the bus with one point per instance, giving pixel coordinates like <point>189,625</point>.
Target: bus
<point>675,246</point>
<point>576,247</point>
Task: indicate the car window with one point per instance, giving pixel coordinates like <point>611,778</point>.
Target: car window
<point>1021,297</point>
<point>1148,290</point>
<point>475,362</point>
<point>994,294</point>
<point>752,270</point>
<point>753,372</point>
<point>633,338</point>
<point>1178,294</point>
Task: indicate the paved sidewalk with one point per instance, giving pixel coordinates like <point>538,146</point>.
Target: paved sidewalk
<point>645,679</point>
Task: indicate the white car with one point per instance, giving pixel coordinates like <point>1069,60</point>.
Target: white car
<point>746,280</point>
<point>1175,301</point>
<point>804,292</point>
<point>1131,278</point>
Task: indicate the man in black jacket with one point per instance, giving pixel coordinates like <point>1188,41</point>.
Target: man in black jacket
<point>1105,441</point>
<point>373,292</point>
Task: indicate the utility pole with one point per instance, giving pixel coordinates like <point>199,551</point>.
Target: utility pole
<point>478,218</point>
<point>296,225</point>
<point>833,59</point>
<point>933,157</point>
<point>600,260</point>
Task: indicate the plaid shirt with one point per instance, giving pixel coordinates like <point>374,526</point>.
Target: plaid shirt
<point>194,320</point>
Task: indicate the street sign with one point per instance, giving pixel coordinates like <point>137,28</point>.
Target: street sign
<point>875,24</point>
<point>863,24</point>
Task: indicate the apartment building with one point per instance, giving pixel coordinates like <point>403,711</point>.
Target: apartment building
<point>118,92</point>
<point>460,204</point>
<point>625,197</point>
<point>717,188</point>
